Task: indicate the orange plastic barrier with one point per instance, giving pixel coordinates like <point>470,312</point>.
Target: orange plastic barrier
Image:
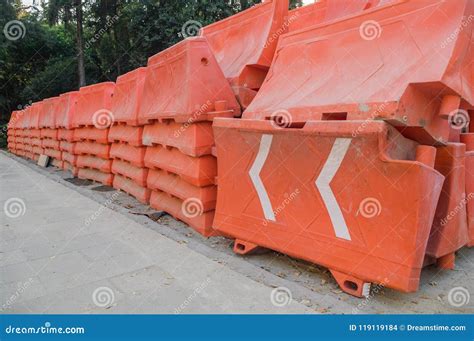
<point>328,10</point>
<point>91,134</point>
<point>468,139</point>
<point>66,146</point>
<point>70,158</point>
<point>53,153</point>
<point>186,211</point>
<point>127,97</point>
<point>57,163</point>
<point>89,161</point>
<point>126,169</point>
<point>50,143</point>
<point>197,171</point>
<point>66,135</point>
<point>194,139</point>
<point>48,133</point>
<point>69,167</point>
<point>35,141</point>
<point>94,105</point>
<point>450,230</point>
<point>142,194</point>
<point>92,148</point>
<point>355,204</point>
<point>123,151</point>
<point>358,76</point>
<point>184,83</point>
<point>95,175</point>
<point>32,119</point>
<point>38,150</point>
<point>128,134</point>
<point>244,44</point>
<point>172,184</point>
<point>47,114</point>
<point>66,109</point>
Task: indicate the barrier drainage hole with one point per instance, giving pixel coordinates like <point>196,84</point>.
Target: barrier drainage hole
<point>240,247</point>
<point>204,61</point>
<point>351,285</point>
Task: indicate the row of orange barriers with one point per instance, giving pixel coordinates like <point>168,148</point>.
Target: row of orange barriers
<point>337,133</point>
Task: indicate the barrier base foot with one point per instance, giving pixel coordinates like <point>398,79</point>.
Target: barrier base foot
<point>447,262</point>
<point>351,285</point>
<point>242,247</point>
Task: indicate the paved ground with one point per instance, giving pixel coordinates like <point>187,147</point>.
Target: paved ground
<point>77,247</point>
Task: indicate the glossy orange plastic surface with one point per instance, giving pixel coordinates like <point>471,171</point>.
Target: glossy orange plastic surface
<point>125,133</point>
<point>95,175</point>
<point>184,83</point>
<point>362,205</point>
<point>244,44</point>
<point>194,139</point>
<point>142,194</point>
<point>94,103</point>
<point>386,62</point>
<point>199,221</point>
<point>89,161</point>
<point>172,184</point>
<point>66,109</point>
<point>450,227</point>
<point>198,171</point>
<point>126,169</point>
<point>127,97</point>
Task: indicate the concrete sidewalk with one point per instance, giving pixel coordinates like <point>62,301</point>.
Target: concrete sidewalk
<point>64,253</point>
<point>68,246</point>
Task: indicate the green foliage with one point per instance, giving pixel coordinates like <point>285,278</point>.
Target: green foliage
<point>119,36</point>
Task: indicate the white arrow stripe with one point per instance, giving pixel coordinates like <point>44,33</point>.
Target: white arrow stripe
<point>264,150</point>
<point>323,183</point>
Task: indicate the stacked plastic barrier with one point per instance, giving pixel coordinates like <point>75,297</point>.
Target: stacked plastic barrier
<point>12,133</point>
<point>65,111</point>
<point>468,140</point>
<point>125,136</point>
<point>184,90</point>
<point>297,174</point>
<point>354,152</point>
<point>17,120</point>
<point>33,145</point>
<point>244,49</point>
<point>91,123</point>
<point>49,133</point>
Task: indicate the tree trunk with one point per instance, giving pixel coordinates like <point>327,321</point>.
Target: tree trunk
<point>80,45</point>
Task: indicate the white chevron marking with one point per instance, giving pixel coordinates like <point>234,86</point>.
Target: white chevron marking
<point>264,150</point>
<point>323,183</point>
